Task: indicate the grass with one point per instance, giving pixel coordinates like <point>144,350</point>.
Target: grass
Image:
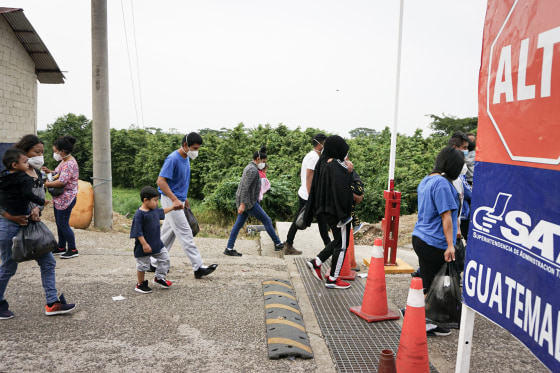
<point>212,224</point>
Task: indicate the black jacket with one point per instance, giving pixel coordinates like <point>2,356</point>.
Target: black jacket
<point>330,191</point>
<point>16,191</point>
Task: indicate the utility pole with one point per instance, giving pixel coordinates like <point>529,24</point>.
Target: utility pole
<point>102,183</point>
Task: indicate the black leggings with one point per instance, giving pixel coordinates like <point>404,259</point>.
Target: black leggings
<point>430,258</point>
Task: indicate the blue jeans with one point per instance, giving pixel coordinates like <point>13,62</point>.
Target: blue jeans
<point>8,268</point>
<point>258,213</point>
<point>65,233</point>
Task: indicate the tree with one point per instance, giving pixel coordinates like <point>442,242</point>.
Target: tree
<point>79,127</point>
<point>447,125</point>
<point>363,132</point>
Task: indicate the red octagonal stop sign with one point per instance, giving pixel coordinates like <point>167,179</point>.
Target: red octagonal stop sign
<point>523,81</point>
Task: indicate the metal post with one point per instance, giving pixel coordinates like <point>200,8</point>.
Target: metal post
<point>391,183</point>
<point>103,203</point>
<point>390,223</point>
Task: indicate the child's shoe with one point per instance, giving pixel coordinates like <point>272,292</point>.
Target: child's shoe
<point>5,313</point>
<point>59,307</point>
<point>162,282</point>
<point>143,287</point>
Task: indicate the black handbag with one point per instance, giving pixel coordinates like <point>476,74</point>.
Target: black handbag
<point>300,222</point>
<point>55,192</point>
<point>192,221</point>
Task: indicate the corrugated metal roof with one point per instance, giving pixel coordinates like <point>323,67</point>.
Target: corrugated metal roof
<point>45,66</point>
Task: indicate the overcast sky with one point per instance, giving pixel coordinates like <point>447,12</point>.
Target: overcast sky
<point>310,63</point>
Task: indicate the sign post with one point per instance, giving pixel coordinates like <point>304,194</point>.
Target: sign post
<point>512,265</point>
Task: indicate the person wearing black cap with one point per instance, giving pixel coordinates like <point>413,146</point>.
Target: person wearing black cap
<point>306,176</point>
<point>331,199</point>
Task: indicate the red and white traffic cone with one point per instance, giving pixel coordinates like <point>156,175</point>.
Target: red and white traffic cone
<point>374,303</point>
<point>412,355</point>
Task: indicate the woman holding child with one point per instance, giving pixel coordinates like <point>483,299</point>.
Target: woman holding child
<point>31,153</point>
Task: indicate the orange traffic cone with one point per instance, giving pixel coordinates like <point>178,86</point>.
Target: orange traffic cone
<point>374,303</point>
<point>346,272</point>
<point>412,355</point>
<point>387,362</point>
<point>351,253</point>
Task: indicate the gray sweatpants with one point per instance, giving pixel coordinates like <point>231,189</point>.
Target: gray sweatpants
<point>162,263</point>
<point>176,225</point>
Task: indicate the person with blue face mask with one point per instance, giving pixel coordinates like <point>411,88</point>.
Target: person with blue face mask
<point>247,202</point>
<point>460,140</point>
<point>173,185</point>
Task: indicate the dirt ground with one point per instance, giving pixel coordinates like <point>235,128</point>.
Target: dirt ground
<point>237,282</point>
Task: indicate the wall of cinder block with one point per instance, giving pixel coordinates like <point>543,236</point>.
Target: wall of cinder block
<point>18,89</point>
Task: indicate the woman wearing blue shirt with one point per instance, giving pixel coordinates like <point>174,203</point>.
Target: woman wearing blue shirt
<point>435,231</point>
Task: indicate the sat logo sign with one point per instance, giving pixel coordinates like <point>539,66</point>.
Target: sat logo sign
<point>512,265</point>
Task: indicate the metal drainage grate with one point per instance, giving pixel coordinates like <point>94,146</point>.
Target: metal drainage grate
<point>355,344</point>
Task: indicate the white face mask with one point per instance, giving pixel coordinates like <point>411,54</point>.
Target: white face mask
<point>192,154</point>
<point>57,157</point>
<point>36,162</point>
<point>261,165</point>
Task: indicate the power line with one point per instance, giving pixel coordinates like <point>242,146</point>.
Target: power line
<point>130,67</point>
<point>137,64</point>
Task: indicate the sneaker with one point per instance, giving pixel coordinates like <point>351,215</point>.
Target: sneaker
<point>70,254</point>
<point>289,249</point>
<point>5,313</point>
<point>143,287</point>
<point>337,284</point>
<point>152,269</point>
<point>199,273</point>
<point>232,252</point>
<point>58,251</point>
<point>316,270</point>
<point>60,307</point>
<point>437,331</point>
<point>358,227</point>
<point>279,246</point>
<point>162,282</point>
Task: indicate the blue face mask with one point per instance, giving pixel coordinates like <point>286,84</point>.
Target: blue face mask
<point>465,153</point>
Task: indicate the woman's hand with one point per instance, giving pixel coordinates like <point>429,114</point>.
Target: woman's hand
<point>46,170</point>
<point>241,208</point>
<point>35,214</point>
<point>449,254</point>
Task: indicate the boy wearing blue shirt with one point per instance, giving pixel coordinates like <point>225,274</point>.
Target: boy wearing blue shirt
<point>146,232</point>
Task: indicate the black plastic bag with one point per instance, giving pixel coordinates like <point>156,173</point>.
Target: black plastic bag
<point>32,241</point>
<point>460,252</point>
<point>192,221</point>
<point>300,223</point>
<point>443,300</point>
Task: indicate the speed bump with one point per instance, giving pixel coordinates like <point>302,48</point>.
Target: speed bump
<point>284,324</point>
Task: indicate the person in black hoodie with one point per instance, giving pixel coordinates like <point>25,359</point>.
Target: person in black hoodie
<point>331,199</point>
<point>16,187</point>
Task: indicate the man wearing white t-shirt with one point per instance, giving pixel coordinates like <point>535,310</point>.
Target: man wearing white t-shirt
<point>306,175</point>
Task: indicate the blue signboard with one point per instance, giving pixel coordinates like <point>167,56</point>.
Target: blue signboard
<point>512,270</point>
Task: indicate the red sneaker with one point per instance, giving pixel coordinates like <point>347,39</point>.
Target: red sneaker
<point>316,270</point>
<point>162,282</point>
<point>337,284</point>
